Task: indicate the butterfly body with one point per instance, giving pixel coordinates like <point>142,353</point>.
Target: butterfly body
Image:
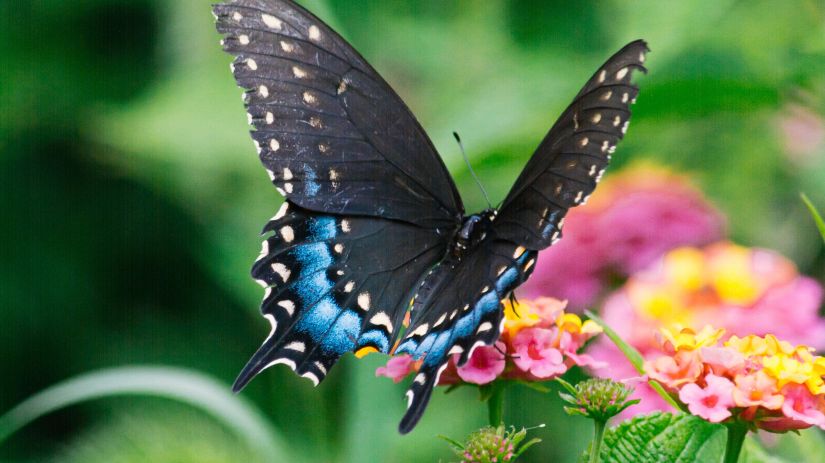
<point>372,219</point>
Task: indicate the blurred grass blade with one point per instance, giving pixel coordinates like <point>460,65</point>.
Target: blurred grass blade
<point>820,224</point>
<point>634,357</point>
<point>174,383</point>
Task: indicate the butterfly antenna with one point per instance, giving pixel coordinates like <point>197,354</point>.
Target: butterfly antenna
<point>472,172</point>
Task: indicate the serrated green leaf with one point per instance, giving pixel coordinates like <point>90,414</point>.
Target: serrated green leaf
<point>662,438</point>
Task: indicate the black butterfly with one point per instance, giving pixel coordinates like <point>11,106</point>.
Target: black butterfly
<point>373,225</point>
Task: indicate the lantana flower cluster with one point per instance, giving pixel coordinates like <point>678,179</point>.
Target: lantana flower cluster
<point>742,290</point>
<point>540,342</point>
<point>766,382</point>
<point>632,219</point>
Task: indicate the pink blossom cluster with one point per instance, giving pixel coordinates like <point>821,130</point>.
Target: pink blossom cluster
<point>742,290</point>
<point>770,383</point>
<point>631,219</point>
<point>539,342</point>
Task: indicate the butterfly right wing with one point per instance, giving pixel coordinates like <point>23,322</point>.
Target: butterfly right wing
<point>571,159</point>
<point>330,131</point>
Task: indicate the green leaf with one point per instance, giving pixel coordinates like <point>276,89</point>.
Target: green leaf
<point>662,438</point>
<point>634,357</point>
<point>174,383</point>
<point>820,224</point>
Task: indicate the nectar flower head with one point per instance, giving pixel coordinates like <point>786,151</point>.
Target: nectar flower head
<point>762,380</point>
<point>755,295</point>
<point>539,341</point>
<point>597,398</point>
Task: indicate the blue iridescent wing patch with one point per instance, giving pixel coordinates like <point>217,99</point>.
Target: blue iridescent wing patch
<point>334,285</point>
<point>456,310</point>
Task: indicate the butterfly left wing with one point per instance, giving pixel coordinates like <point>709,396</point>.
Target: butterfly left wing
<point>335,284</point>
<point>456,309</point>
<point>571,159</point>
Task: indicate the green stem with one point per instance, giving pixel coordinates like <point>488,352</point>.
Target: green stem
<point>598,436</point>
<point>495,404</point>
<point>736,437</point>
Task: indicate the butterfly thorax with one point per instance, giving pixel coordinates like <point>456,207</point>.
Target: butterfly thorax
<point>473,230</point>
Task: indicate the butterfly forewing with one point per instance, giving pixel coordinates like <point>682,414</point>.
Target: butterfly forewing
<point>333,135</point>
<point>571,159</point>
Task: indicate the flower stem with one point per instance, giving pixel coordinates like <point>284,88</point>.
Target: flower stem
<point>598,436</point>
<point>736,437</point>
<point>495,404</point>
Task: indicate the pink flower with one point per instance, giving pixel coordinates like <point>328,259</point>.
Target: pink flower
<point>683,367</point>
<point>800,405</point>
<point>486,363</point>
<point>535,353</point>
<point>804,134</point>
<point>712,402</point>
<point>631,220</point>
<point>721,360</point>
<point>756,390</point>
<point>397,368</point>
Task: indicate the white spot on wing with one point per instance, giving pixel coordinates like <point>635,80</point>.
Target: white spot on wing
<point>244,39</point>
<point>288,187</point>
<point>287,47</point>
<point>596,118</point>
<point>263,91</point>
<point>410,395</point>
<point>606,96</point>
<point>420,378</point>
<point>274,145</point>
<point>252,64</point>
<point>281,270</point>
<point>287,174</point>
<point>420,331</point>
<point>314,33</point>
<point>287,305</point>
<point>348,287</point>
<point>271,21</point>
<point>616,121</point>
<point>518,252</point>
<point>298,72</point>
<point>584,141</point>
<point>296,346</point>
<point>486,326</point>
<point>320,367</point>
<point>455,350</point>
<point>622,73</point>
<point>602,75</point>
<point>315,122</point>
<point>310,98</point>
<point>287,233</point>
<point>264,250</point>
<point>345,226</point>
<point>339,248</point>
<point>382,319</point>
<point>440,320</point>
<point>364,301</point>
<point>625,96</point>
<point>237,16</point>
<point>272,325</point>
<point>284,361</point>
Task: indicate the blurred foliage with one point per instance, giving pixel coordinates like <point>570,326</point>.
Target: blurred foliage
<point>132,195</point>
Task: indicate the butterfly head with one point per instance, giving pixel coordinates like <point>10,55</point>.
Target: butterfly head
<point>473,230</point>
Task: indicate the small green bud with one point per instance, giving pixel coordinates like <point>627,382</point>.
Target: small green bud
<point>597,398</point>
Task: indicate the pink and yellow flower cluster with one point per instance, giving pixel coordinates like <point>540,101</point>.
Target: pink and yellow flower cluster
<point>765,381</point>
<point>741,290</point>
<point>539,342</point>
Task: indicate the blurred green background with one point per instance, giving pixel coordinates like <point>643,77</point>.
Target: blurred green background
<point>132,196</point>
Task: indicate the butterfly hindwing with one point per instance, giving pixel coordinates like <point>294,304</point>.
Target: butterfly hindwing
<point>333,135</point>
<point>458,308</point>
<point>334,285</point>
<point>571,159</point>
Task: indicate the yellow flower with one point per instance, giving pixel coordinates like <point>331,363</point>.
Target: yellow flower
<point>518,316</point>
<point>684,267</point>
<point>687,339</point>
<point>572,323</point>
<point>731,275</point>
